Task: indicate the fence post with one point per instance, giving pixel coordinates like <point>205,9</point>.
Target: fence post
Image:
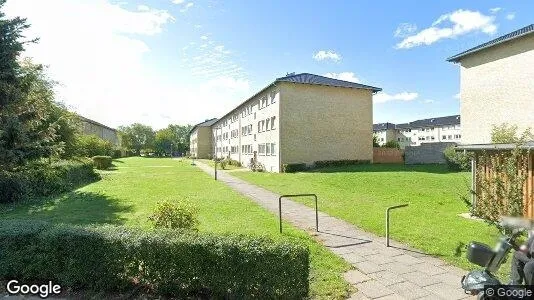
<point>387,220</point>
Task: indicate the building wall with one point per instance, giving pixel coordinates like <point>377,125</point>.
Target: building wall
<point>104,133</point>
<point>325,123</point>
<point>425,135</point>
<point>201,142</point>
<point>427,153</point>
<point>250,129</point>
<point>384,136</point>
<point>497,86</point>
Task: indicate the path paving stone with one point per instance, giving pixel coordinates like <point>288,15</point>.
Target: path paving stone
<point>397,272</point>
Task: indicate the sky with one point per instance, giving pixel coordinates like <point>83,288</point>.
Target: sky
<point>161,62</point>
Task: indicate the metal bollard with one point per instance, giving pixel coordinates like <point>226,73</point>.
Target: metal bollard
<point>387,220</point>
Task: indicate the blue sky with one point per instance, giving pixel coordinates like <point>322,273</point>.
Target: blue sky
<point>183,61</point>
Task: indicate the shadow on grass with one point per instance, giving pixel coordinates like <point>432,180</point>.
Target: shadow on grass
<point>78,208</point>
<point>430,168</point>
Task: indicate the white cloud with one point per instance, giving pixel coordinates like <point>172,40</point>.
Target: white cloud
<point>457,95</point>
<point>102,65</point>
<point>460,22</point>
<point>495,10</point>
<point>186,7</point>
<point>428,101</point>
<point>327,54</point>
<point>178,1</point>
<point>405,29</point>
<point>510,16</point>
<point>347,76</point>
<point>203,37</point>
<point>385,97</point>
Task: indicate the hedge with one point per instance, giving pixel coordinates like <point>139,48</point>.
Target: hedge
<point>292,168</point>
<point>102,162</point>
<point>164,262</point>
<point>339,163</point>
<point>43,179</point>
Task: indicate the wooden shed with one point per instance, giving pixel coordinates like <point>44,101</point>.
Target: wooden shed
<point>485,163</point>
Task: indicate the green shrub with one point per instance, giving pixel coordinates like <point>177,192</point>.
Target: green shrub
<point>457,160</point>
<point>234,163</point>
<point>43,179</point>
<point>339,163</point>
<point>102,162</point>
<point>174,215</point>
<point>223,163</point>
<point>292,168</point>
<point>392,144</point>
<point>117,153</point>
<point>166,262</point>
<point>91,145</point>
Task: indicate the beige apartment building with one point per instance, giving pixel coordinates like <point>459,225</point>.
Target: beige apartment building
<point>201,140</point>
<point>102,131</point>
<point>300,118</point>
<point>497,85</point>
<point>432,130</point>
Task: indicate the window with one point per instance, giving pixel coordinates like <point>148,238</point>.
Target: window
<point>444,137</point>
<point>272,149</point>
<point>259,127</point>
<point>449,137</point>
<point>267,127</point>
<point>254,116</point>
<point>261,149</point>
<point>273,96</point>
<point>254,137</point>
<point>267,149</point>
<point>262,125</point>
<point>432,138</point>
<point>272,122</point>
<point>250,129</point>
<point>398,139</point>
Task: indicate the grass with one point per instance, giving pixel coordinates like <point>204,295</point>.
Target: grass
<point>127,196</point>
<point>360,195</point>
<point>211,163</point>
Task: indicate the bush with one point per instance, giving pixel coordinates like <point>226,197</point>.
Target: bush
<point>292,168</point>
<point>223,163</point>
<point>117,153</point>
<point>44,179</point>
<point>457,160</point>
<point>102,162</point>
<point>339,163</point>
<point>168,262</point>
<point>392,144</point>
<point>175,215</point>
<point>91,145</point>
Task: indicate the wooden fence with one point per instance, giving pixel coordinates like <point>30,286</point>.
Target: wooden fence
<point>486,168</point>
<point>388,156</point>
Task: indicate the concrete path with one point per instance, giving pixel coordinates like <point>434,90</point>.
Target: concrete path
<point>381,273</point>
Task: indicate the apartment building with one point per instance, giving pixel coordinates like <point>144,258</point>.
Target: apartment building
<point>201,139</point>
<point>415,133</point>
<point>102,131</point>
<point>299,118</point>
<point>497,85</point>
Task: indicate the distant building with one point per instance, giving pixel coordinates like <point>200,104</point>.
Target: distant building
<point>432,130</point>
<point>497,85</point>
<point>300,118</point>
<point>201,139</point>
<point>102,131</point>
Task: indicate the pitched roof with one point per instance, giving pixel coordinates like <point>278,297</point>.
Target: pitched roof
<point>383,126</point>
<point>84,119</point>
<point>507,37</point>
<point>206,123</point>
<point>440,121</point>
<point>307,78</point>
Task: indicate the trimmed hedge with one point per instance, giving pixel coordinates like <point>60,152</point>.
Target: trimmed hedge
<point>43,179</point>
<point>339,163</point>
<point>102,162</point>
<point>166,262</point>
<point>292,168</point>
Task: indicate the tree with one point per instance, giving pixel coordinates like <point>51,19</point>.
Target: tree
<point>375,141</point>
<point>24,101</point>
<point>92,145</point>
<point>164,141</point>
<point>137,137</point>
<point>181,135</point>
<point>508,134</point>
<point>392,144</point>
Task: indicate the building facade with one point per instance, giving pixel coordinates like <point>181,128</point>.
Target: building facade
<point>300,118</point>
<point>201,140</point>
<point>90,127</point>
<point>497,85</point>
<point>433,130</point>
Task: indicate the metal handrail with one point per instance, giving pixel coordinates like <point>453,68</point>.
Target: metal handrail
<point>387,220</point>
<point>298,195</point>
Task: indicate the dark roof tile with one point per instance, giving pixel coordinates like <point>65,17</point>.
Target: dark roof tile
<point>307,78</point>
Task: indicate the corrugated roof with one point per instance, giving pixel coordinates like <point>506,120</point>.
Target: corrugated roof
<point>383,126</point>
<point>440,121</point>
<point>206,123</point>
<point>507,37</point>
<point>307,78</point>
<point>473,147</point>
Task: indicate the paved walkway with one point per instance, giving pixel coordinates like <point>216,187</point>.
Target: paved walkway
<point>381,272</point>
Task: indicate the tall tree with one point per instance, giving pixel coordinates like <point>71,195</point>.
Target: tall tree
<point>24,100</point>
<point>137,137</point>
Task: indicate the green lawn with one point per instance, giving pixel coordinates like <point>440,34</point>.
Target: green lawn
<point>360,194</point>
<point>128,194</point>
